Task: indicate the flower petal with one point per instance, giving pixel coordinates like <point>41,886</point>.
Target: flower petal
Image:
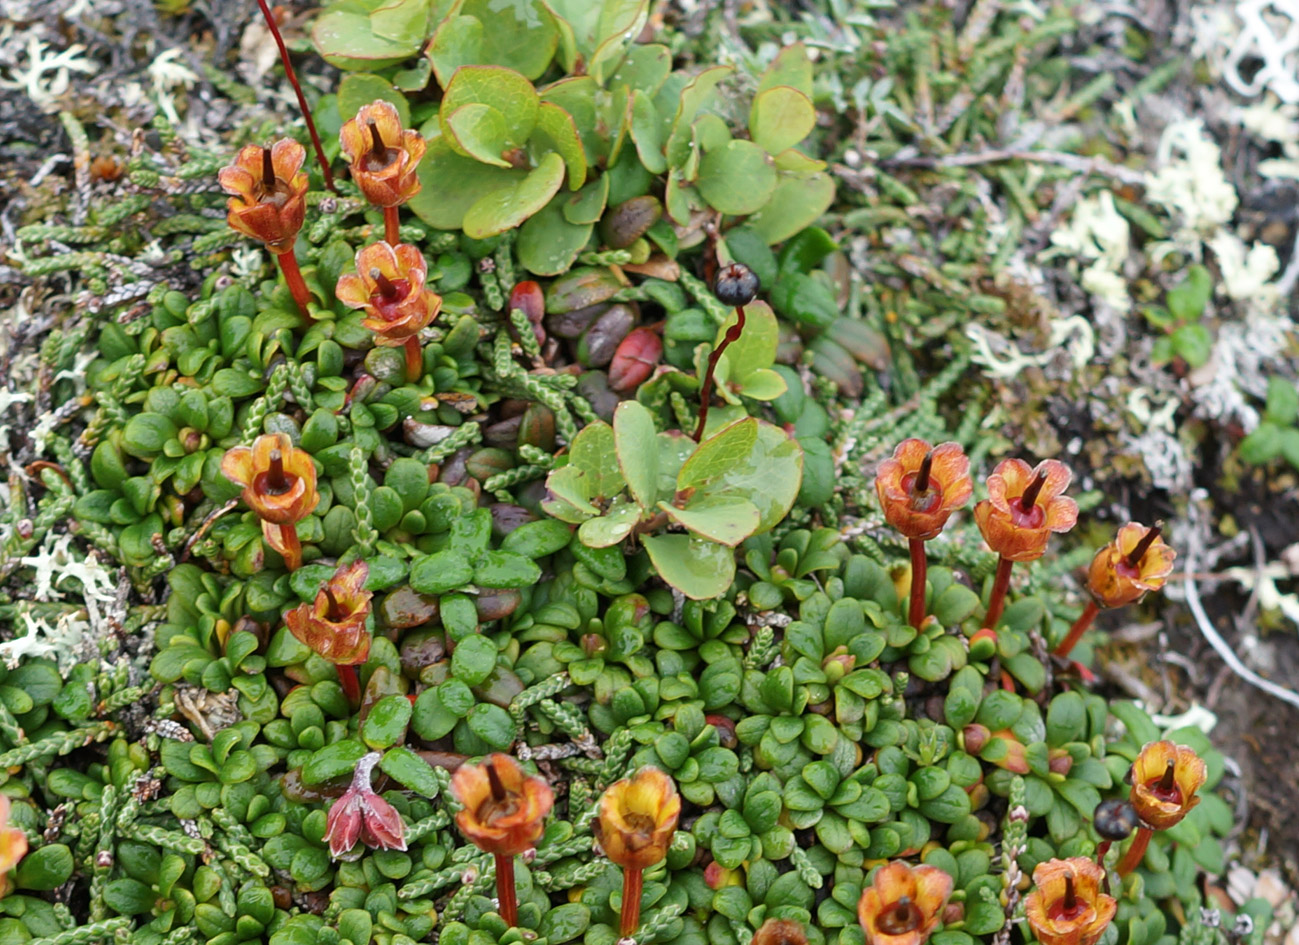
<point>237,465</point>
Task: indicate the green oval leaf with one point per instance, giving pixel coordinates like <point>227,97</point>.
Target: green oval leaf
<point>737,178</point>
<point>508,207</point>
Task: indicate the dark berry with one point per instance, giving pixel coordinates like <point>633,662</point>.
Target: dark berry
<point>1115,820</point>
<point>736,284</point>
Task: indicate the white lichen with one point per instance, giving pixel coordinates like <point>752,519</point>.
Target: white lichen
<point>1247,272</point>
<point>1190,184</point>
<point>999,357</point>
<point>1097,234</point>
<point>47,74</point>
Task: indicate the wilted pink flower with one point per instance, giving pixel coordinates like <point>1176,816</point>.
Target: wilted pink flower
<point>362,815</point>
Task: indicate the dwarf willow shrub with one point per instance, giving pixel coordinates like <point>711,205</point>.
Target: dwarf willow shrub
<point>546,562</point>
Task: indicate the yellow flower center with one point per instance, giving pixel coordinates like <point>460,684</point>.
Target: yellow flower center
<point>640,823</point>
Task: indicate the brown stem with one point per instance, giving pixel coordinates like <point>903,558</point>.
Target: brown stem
<point>632,886</point>
<point>414,359</point>
<point>505,889</point>
<point>919,566</point>
<point>297,285</point>
<point>391,226</point>
<point>1137,852</point>
<point>732,335</point>
<point>1078,629</point>
<point>1000,584</point>
<point>351,685</point>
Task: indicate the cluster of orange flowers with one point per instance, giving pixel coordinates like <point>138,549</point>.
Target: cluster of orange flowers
<point>920,486</point>
<point>268,192</point>
<point>504,812</point>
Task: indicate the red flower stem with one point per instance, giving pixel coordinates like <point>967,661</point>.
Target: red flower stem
<point>292,552</point>
<point>351,685</point>
<point>1101,849</point>
<point>414,359</point>
<point>297,90</point>
<point>391,226</point>
<point>297,285</point>
<point>632,886</point>
<point>732,335</point>
<point>919,566</point>
<point>505,889</point>
<point>1137,852</point>
<point>1000,584</point>
<point>1077,630</point>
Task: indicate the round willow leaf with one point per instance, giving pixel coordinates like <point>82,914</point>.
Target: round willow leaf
<point>780,118</point>
<point>478,131</point>
<point>511,205</point>
<point>737,179</point>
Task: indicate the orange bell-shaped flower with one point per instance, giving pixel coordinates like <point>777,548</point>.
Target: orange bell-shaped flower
<point>505,809</point>
<point>920,486</point>
<point>382,154</point>
<point>1067,906</point>
<point>279,483</point>
<point>1135,562</point>
<point>1165,778</point>
<point>903,903</point>
<point>1024,506</point>
<point>333,625</point>
<point>637,819</point>
<point>268,191</point>
<point>389,285</point>
<point>13,843</point>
